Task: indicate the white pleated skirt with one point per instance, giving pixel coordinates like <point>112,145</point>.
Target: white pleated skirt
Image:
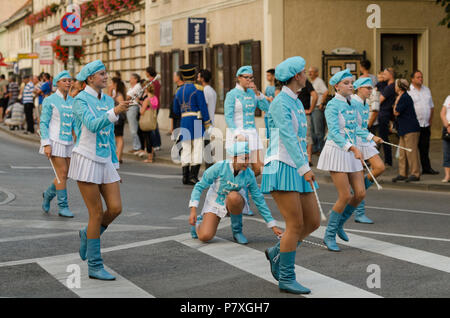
<point>58,150</point>
<point>335,159</point>
<point>211,206</point>
<point>87,170</point>
<point>368,150</point>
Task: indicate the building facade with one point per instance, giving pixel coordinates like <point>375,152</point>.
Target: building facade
<point>16,42</point>
<point>329,34</point>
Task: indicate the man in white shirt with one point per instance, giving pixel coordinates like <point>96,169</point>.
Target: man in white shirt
<point>424,107</point>
<point>318,124</point>
<point>204,78</point>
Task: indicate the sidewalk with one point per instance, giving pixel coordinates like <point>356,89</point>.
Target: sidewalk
<point>426,183</point>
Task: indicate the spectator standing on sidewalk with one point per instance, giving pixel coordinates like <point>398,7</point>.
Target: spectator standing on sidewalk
<point>28,102</point>
<point>270,95</point>
<point>387,100</point>
<point>150,72</point>
<point>364,67</point>
<point>374,105</point>
<point>13,90</point>
<point>175,118</point>
<point>408,131</point>
<point>318,124</point>
<point>43,90</point>
<point>308,96</point>
<point>119,89</point>
<point>134,91</point>
<point>3,96</point>
<point>445,117</point>
<point>204,78</point>
<point>423,104</point>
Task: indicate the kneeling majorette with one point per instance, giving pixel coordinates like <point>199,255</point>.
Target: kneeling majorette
<point>287,175</point>
<point>363,87</point>
<point>94,162</point>
<point>342,158</point>
<point>226,195</point>
<point>56,126</point>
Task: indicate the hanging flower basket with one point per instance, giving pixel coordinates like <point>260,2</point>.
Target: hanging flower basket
<point>62,52</point>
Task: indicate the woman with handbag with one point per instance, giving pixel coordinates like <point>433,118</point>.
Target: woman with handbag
<point>445,117</point>
<point>148,121</point>
<point>408,131</point>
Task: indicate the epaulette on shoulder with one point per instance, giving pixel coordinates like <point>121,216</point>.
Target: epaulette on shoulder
<point>178,89</point>
<point>199,87</point>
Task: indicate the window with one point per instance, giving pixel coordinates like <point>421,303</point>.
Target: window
<point>246,53</point>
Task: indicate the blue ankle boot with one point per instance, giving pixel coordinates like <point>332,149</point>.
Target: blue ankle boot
<point>194,227</point>
<point>330,234</point>
<point>95,261</point>
<point>236,228</point>
<point>360,212</point>
<point>247,212</point>
<point>344,217</point>
<point>273,256</point>
<point>62,204</point>
<point>48,196</point>
<point>287,282</point>
<point>83,241</point>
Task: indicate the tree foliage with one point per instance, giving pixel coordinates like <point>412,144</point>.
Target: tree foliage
<point>446,19</point>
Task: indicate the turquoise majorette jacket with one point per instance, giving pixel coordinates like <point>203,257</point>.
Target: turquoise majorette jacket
<point>287,125</point>
<point>56,121</point>
<point>220,177</point>
<point>363,116</point>
<point>341,116</point>
<point>240,108</point>
<point>190,104</point>
<point>94,126</point>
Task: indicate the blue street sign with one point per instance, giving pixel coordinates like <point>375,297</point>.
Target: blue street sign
<point>71,23</point>
<point>196,30</point>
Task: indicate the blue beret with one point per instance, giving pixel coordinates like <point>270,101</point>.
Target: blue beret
<point>63,74</point>
<point>363,82</point>
<point>339,76</point>
<point>90,69</point>
<point>238,148</point>
<point>289,68</point>
<point>244,70</point>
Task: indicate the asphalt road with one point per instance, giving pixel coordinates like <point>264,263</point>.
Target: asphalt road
<point>406,253</point>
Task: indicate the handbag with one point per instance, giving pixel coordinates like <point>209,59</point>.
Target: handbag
<point>445,135</point>
<point>148,121</point>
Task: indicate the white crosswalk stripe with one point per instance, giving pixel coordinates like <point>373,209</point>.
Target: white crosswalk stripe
<point>255,263</point>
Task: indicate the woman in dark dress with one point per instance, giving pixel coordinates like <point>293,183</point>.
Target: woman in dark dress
<point>119,93</point>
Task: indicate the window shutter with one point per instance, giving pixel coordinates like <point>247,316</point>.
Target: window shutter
<point>151,60</point>
<point>256,62</point>
<point>181,57</point>
<point>235,60</point>
<point>227,77</point>
<point>165,85</point>
<point>209,52</point>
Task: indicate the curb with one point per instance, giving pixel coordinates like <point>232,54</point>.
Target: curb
<point>400,185</point>
<point>322,178</point>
